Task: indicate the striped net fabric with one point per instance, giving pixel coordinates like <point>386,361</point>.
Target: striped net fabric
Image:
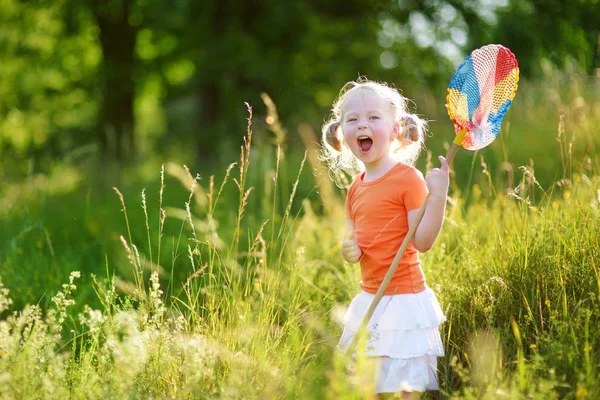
<point>481,92</point>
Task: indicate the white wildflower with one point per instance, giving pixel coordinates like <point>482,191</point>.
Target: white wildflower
<point>93,319</point>
<point>156,305</point>
<point>5,300</point>
<point>62,301</point>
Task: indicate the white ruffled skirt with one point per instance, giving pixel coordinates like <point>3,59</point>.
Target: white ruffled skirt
<point>403,336</point>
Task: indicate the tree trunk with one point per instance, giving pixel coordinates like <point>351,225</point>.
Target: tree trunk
<point>211,14</point>
<point>117,39</point>
<point>243,16</point>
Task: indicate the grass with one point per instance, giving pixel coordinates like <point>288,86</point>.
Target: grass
<point>232,286</point>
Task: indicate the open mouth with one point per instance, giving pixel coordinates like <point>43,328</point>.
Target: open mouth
<point>365,143</point>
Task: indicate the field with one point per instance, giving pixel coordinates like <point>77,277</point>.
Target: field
<point>229,284</point>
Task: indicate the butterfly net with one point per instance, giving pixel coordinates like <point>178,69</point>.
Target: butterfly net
<point>480,93</point>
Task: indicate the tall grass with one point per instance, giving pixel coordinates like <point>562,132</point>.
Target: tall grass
<point>243,298</point>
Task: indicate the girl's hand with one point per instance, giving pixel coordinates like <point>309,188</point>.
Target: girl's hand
<point>438,179</point>
<point>350,250</point>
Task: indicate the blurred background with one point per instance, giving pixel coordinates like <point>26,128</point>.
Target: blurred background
<point>102,93</point>
<point>138,80</point>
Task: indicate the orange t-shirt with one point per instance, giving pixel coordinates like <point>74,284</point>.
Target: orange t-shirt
<point>379,210</point>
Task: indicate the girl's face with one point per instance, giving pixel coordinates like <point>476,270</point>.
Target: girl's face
<point>369,127</point>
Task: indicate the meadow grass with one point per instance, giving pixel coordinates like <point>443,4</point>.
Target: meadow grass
<point>233,287</point>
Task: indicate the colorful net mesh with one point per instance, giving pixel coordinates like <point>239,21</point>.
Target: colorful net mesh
<point>480,93</point>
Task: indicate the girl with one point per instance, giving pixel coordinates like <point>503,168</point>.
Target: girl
<point>370,127</point>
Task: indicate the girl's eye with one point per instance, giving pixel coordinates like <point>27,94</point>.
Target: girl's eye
<point>374,117</point>
<point>351,119</point>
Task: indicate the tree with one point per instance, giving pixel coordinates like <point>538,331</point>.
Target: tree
<point>555,30</point>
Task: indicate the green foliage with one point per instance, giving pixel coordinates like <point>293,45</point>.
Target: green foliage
<point>134,78</point>
<point>139,77</point>
<point>46,96</point>
<point>554,30</point>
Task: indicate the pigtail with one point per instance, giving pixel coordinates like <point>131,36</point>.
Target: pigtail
<point>412,129</point>
<point>332,135</point>
<point>411,138</point>
<point>334,151</point>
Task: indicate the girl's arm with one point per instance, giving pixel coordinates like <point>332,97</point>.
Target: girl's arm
<point>431,224</point>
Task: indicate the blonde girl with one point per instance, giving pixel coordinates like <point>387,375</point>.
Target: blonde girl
<point>371,129</point>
